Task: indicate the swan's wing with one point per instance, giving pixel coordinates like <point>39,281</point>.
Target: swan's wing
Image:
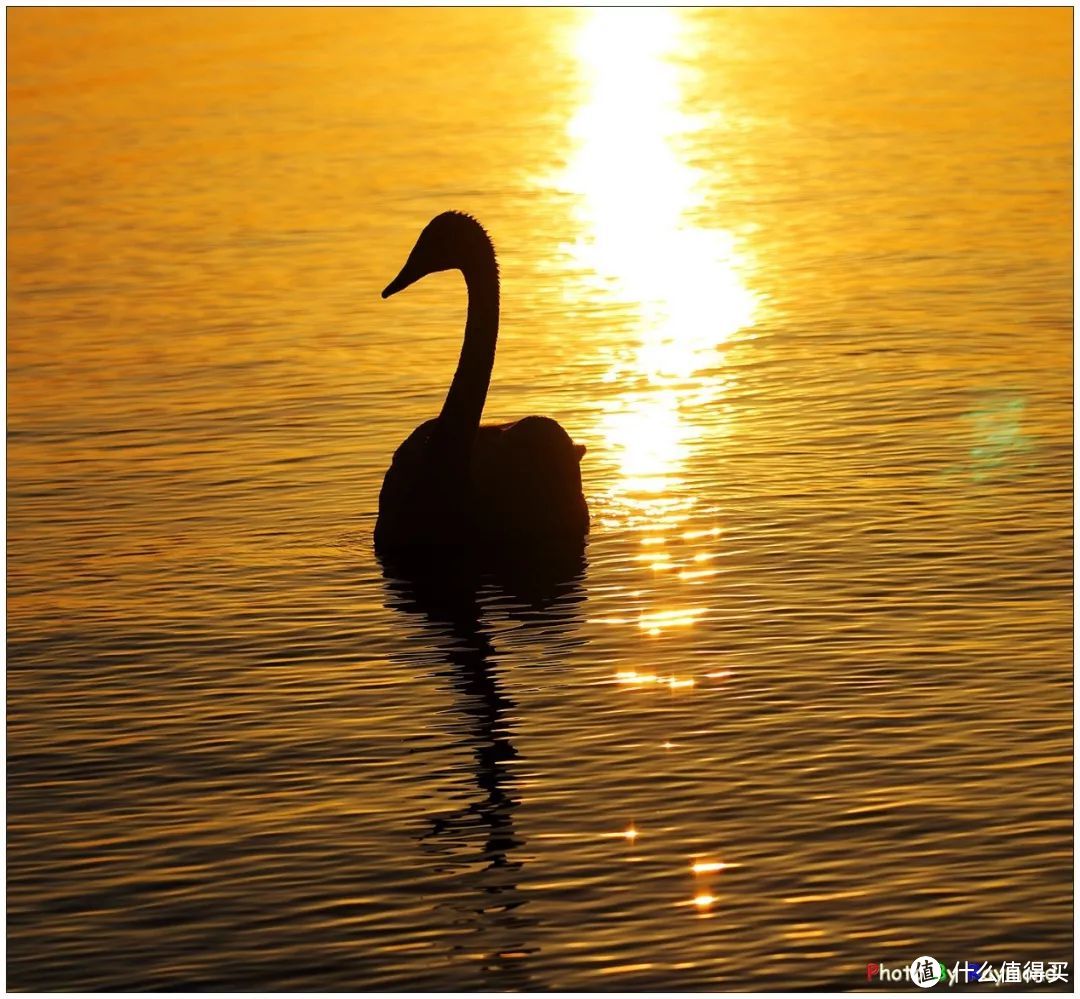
<point>413,448</point>
<point>527,478</point>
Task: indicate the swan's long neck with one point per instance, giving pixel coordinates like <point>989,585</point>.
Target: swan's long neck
<point>464,403</point>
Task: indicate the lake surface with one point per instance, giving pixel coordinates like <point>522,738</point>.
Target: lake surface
<point>801,281</point>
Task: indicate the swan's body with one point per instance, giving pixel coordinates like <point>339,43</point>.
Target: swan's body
<point>452,481</point>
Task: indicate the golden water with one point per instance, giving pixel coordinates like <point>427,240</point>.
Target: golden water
<point>801,282</point>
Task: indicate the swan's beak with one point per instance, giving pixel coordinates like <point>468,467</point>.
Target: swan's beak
<point>407,276</point>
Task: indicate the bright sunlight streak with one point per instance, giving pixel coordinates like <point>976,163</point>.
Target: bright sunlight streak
<point>639,199</point>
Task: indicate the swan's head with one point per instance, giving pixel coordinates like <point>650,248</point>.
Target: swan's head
<point>449,241</point>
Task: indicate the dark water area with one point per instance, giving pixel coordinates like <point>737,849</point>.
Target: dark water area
<point>801,282</point>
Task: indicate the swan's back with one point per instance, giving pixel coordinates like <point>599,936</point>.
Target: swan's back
<point>523,486</point>
<point>526,483</point>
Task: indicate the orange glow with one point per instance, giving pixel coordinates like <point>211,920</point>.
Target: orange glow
<point>633,677</point>
<point>688,575</point>
<point>817,337</point>
<point>693,535</point>
<point>659,620</point>
<point>653,558</point>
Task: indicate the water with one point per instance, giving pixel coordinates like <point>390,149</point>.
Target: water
<point>801,282</point>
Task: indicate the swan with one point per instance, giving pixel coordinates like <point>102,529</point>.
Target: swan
<point>454,482</point>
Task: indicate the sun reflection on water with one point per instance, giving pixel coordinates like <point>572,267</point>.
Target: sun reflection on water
<point>639,192</point>
<point>639,201</point>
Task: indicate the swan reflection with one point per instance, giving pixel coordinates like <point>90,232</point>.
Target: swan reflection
<point>475,844</point>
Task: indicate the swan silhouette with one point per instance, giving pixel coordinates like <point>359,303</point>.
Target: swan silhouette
<point>454,482</point>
